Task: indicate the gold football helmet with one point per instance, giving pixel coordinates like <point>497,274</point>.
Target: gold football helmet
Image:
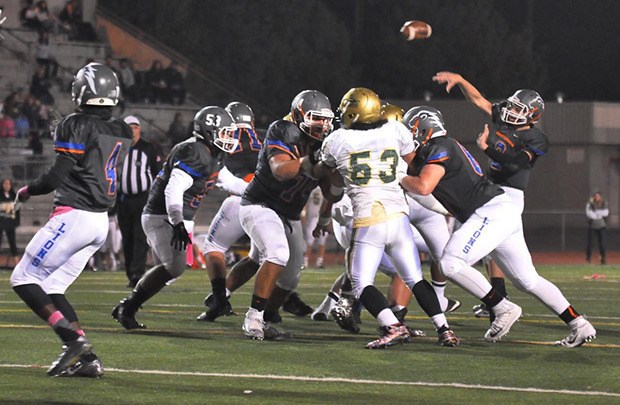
<point>359,106</point>
<point>392,112</point>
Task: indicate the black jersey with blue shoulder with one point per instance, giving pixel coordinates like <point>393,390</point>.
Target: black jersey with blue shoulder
<point>242,161</point>
<point>287,198</point>
<point>509,164</point>
<point>463,188</point>
<point>195,159</point>
<point>98,147</point>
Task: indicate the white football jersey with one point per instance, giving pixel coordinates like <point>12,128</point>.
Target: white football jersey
<point>368,161</point>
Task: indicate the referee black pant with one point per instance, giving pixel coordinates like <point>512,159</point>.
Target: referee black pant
<point>135,246</point>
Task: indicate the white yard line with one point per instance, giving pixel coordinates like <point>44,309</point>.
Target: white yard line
<point>348,380</point>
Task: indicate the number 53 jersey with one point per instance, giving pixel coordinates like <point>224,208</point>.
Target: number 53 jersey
<point>368,161</point>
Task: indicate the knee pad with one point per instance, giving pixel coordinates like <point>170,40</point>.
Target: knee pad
<point>450,265</point>
<point>526,284</point>
<point>279,255</point>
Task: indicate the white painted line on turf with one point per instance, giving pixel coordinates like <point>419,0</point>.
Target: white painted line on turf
<point>347,380</point>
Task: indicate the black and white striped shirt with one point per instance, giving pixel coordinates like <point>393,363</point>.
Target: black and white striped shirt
<point>140,168</point>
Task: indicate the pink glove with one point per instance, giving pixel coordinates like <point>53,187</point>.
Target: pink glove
<point>23,194</point>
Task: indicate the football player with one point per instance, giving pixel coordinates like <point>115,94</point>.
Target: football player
<point>189,171</point>
<point>491,223</point>
<point>273,201</point>
<point>90,145</point>
<point>430,223</point>
<point>513,146</point>
<point>225,228</point>
<point>367,153</point>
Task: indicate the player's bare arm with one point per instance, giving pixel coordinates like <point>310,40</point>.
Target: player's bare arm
<point>426,181</point>
<point>284,167</point>
<point>469,91</point>
<point>521,157</point>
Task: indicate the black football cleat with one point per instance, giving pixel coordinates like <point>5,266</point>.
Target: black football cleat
<point>216,309</point>
<point>296,306</point>
<point>126,318</point>
<point>70,355</point>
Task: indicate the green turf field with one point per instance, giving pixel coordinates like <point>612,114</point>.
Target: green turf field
<point>179,360</point>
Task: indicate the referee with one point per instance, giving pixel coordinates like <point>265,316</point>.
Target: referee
<point>139,170</point>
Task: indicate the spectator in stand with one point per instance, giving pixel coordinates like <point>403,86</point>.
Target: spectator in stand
<point>177,130</point>
<point>13,103</point>
<point>30,111</point>
<point>40,86</point>
<point>45,55</point>
<point>9,218</point>
<point>175,84</point>
<point>71,18</point>
<point>28,16</point>
<point>156,83</point>
<point>7,126</point>
<point>127,79</point>
<point>46,21</point>
<point>597,212</point>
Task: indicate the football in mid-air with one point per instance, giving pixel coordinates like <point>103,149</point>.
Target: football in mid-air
<point>416,30</point>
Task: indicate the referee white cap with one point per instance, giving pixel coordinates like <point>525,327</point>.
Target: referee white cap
<point>130,119</point>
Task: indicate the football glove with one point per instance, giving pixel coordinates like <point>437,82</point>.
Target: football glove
<point>180,238</point>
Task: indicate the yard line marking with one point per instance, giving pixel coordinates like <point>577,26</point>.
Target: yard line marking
<point>346,380</point>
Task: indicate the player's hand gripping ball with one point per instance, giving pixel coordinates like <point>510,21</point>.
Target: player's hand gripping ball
<point>416,30</point>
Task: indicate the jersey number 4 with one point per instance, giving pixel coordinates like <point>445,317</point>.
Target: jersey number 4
<point>361,171</point>
<point>110,168</point>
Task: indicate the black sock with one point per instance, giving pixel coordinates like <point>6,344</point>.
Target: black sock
<point>373,300</point>
<point>258,303</point>
<point>492,298</point>
<point>426,297</point>
<point>569,314</point>
<point>218,285</point>
<point>34,296</point>
<point>64,330</point>
<point>499,285</point>
<point>150,284</point>
<point>333,296</point>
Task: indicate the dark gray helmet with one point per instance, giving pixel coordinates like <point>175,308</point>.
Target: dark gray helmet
<point>424,123</point>
<point>242,114</point>
<point>95,84</point>
<point>522,108</point>
<point>215,126</point>
<point>312,112</point>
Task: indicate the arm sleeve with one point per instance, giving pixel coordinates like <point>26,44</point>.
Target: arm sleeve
<point>50,180</point>
<point>230,183</point>
<point>429,202</point>
<point>178,183</point>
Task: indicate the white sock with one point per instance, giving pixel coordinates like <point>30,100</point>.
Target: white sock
<point>439,288</point>
<point>387,318</point>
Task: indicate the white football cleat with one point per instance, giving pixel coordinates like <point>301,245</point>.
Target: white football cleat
<point>581,332</point>
<point>506,314</point>
<point>253,324</point>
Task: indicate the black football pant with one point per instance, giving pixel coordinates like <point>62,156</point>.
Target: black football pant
<point>135,246</point>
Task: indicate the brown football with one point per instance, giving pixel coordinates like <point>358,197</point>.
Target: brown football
<point>416,30</point>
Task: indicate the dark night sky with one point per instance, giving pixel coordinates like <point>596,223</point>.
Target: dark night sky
<point>575,43</point>
<point>578,40</point>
